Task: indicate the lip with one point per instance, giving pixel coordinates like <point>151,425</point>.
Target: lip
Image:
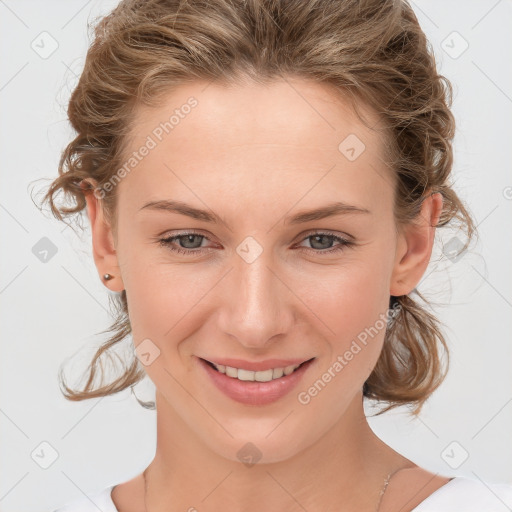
<point>256,366</point>
<point>252,392</point>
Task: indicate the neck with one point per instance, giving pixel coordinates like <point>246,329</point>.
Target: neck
<point>187,473</point>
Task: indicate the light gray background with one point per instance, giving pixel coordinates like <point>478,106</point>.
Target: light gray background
<point>52,311</point>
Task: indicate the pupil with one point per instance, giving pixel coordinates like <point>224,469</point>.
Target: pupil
<point>317,237</point>
<point>189,239</point>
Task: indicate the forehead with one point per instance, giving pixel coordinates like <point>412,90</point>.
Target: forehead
<point>276,133</point>
<point>281,112</point>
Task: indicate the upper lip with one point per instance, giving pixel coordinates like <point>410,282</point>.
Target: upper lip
<point>256,366</point>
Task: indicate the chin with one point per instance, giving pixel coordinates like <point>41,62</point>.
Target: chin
<point>268,440</point>
<point>250,450</point>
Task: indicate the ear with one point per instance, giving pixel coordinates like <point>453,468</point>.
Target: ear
<point>103,246</point>
<point>414,246</point>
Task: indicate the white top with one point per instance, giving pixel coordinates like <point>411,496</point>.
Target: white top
<point>460,494</point>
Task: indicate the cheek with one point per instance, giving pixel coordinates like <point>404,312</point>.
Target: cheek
<point>352,302</point>
<point>160,298</point>
<point>167,303</point>
<point>350,298</point>
<point>355,311</point>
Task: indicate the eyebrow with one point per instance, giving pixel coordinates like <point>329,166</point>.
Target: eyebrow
<point>338,208</point>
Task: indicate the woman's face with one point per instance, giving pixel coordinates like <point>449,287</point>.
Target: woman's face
<point>255,281</point>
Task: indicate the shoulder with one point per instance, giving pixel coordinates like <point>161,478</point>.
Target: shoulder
<point>101,500</point>
<point>466,494</point>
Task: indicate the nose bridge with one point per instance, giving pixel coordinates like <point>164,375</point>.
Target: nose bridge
<point>256,306</point>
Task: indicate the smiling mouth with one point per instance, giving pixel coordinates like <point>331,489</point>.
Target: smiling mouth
<point>256,376</point>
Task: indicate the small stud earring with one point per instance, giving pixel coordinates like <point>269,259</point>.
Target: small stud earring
<point>107,277</point>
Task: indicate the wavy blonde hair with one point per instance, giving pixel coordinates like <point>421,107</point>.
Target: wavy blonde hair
<point>372,52</point>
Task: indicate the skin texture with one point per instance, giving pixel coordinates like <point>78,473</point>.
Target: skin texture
<point>254,155</point>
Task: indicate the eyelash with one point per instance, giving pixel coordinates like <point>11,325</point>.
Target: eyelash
<point>343,243</point>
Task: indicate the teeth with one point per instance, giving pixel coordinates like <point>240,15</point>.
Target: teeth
<point>277,372</point>
<point>231,372</point>
<point>261,376</point>
<point>289,369</point>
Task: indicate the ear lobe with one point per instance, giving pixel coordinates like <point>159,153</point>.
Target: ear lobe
<point>103,246</point>
<point>414,246</point>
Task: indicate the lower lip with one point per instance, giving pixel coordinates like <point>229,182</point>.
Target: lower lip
<point>252,392</point>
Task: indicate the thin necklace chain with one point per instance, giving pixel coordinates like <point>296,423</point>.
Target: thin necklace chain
<point>386,482</point>
<point>377,508</point>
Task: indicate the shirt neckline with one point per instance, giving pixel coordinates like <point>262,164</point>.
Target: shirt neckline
<point>426,501</point>
<point>439,491</point>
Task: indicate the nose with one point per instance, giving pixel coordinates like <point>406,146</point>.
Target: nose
<point>257,305</point>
